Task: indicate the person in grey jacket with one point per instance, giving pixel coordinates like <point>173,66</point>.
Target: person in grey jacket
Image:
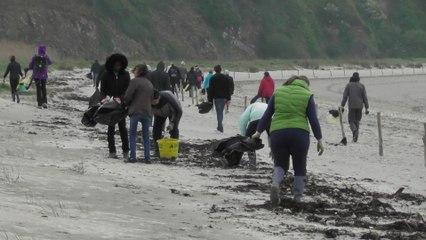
<point>138,98</point>
<point>357,95</point>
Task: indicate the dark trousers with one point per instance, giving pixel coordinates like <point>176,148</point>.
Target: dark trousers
<point>157,129</point>
<point>294,143</point>
<point>123,134</point>
<point>41,91</point>
<point>13,88</point>
<point>175,84</point>
<point>355,116</point>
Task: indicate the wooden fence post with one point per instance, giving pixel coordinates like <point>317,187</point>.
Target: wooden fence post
<point>379,126</point>
<point>245,102</point>
<point>192,94</point>
<point>424,142</point>
<point>181,92</point>
<point>196,96</point>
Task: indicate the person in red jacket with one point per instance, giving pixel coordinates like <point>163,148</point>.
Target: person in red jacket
<point>266,89</point>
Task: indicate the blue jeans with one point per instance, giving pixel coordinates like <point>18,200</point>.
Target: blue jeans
<point>146,123</point>
<point>220,104</point>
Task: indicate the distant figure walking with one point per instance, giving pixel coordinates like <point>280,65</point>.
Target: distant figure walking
<point>159,78</point>
<point>14,71</point>
<point>206,82</point>
<point>191,81</point>
<point>219,93</point>
<point>357,95</point>
<point>114,83</point>
<point>39,64</point>
<point>175,78</point>
<point>290,111</point>
<point>138,98</point>
<point>266,88</point>
<point>231,89</point>
<point>95,70</point>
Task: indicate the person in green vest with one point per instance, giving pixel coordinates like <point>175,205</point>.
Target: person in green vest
<point>290,111</point>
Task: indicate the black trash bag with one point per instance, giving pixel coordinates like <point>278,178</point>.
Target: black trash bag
<point>89,75</point>
<point>233,148</point>
<point>334,113</point>
<point>110,113</point>
<point>205,107</point>
<point>88,119</point>
<point>95,99</point>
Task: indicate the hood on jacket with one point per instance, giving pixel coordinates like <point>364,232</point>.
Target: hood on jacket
<point>355,77</point>
<point>42,50</point>
<point>117,57</point>
<point>161,66</point>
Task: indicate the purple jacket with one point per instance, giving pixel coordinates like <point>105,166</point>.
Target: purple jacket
<point>42,74</point>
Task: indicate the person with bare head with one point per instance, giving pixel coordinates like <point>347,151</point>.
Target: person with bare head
<point>14,71</point>
<point>138,98</point>
<point>219,93</point>
<point>290,110</point>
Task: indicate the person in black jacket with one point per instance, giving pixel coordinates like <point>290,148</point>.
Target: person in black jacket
<point>219,93</point>
<point>191,80</point>
<point>175,77</point>
<point>231,89</point>
<point>114,83</point>
<point>14,71</point>
<point>95,70</point>
<point>159,78</point>
<point>166,105</point>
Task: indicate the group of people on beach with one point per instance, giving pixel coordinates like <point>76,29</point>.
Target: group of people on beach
<point>287,113</point>
<point>39,64</point>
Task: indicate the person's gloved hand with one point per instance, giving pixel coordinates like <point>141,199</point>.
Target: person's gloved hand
<point>366,111</point>
<point>256,135</point>
<point>170,127</point>
<point>320,148</point>
<point>117,100</point>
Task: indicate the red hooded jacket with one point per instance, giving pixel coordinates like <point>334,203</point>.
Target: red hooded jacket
<point>267,87</point>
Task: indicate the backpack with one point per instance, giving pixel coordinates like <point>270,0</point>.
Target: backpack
<point>173,72</point>
<point>40,63</point>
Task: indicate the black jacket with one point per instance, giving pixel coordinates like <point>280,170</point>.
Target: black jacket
<point>174,73</point>
<point>96,68</point>
<point>114,85</point>
<point>14,69</point>
<point>220,87</point>
<point>231,85</point>
<point>191,78</point>
<point>160,79</point>
<point>168,107</point>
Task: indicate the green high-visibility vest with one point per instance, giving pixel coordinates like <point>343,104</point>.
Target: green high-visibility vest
<point>291,102</point>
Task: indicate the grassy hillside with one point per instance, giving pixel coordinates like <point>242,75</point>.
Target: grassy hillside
<point>224,29</point>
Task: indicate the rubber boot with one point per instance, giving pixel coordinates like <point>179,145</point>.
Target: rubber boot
<point>298,188</point>
<point>252,160</point>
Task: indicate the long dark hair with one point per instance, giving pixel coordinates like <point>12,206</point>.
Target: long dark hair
<point>294,78</point>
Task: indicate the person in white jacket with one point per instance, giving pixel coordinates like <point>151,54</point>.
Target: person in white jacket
<point>248,124</point>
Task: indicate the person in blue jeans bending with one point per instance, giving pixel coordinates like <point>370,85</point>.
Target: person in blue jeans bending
<point>138,98</point>
<point>219,93</point>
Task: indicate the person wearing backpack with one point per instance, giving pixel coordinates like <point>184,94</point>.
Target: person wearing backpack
<point>39,64</point>
<point>175,77</point>
<point>14,71</point>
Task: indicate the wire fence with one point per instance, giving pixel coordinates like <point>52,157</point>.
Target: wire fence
<point>329,73</point>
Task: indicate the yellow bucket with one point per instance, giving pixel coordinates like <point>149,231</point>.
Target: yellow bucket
<point>169,148</point>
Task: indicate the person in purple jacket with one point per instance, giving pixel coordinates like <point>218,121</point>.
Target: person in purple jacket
<point>39,64</point>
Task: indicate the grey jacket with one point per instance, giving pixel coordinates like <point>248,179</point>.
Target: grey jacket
<point>168,107</point>
<point>139,96</point>
<point>357,95</point>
